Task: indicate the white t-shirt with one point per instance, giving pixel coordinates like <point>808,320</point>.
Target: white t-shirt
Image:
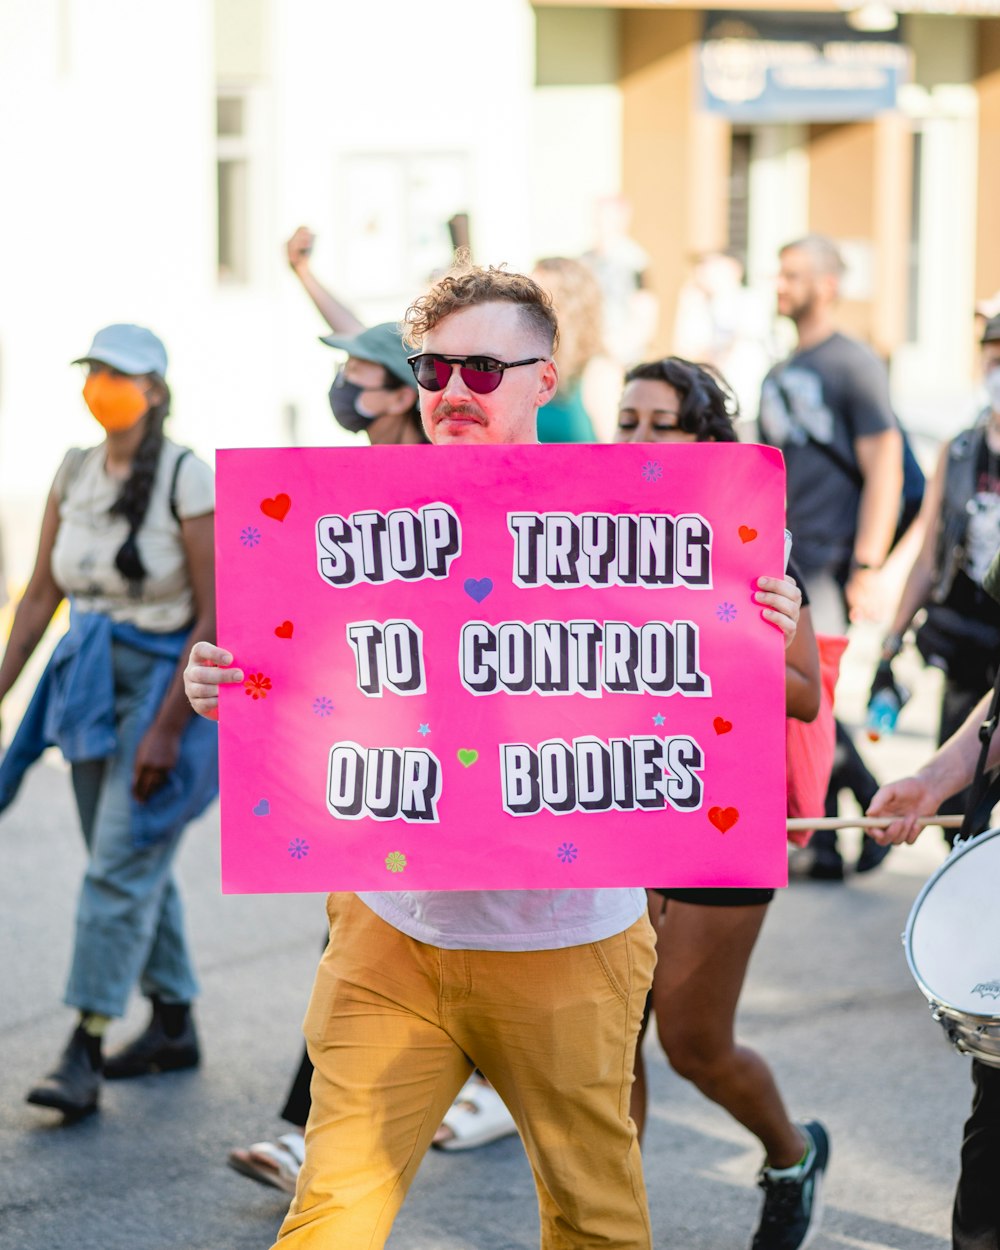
<point>83,558</point>
<point>509,920</point>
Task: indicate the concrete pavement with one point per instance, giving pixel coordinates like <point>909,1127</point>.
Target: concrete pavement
<point>829,1002</point>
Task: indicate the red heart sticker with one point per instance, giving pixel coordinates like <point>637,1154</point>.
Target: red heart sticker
<point>723,817</point>
<point>285,629</point>
<point>276,508</point>
<point>747,535</point>
<point>720,724</point>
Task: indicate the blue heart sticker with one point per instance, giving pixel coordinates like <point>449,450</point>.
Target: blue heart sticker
<point>263,808</point>
<point>478,588</point>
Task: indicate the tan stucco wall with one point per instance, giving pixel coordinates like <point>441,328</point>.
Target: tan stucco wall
<point>675,159</point>
<point>988,92</point>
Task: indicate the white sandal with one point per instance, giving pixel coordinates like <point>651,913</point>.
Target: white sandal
<point>476,1117</point>
<point>274,1163</point>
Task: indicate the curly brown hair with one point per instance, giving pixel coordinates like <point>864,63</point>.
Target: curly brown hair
<point>468,285</point>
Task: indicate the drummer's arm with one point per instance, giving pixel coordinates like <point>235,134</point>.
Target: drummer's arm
<point>949,770</point>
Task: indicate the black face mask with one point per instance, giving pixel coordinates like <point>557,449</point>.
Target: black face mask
<point>344,396</point>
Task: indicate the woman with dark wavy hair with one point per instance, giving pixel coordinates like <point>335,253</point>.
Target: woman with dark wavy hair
<point>685,403</point>
<point>705,937</point>
<point>127,536</point>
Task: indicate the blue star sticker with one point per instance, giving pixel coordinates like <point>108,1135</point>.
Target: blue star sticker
<point>424,730</point>
<point>659,718</point>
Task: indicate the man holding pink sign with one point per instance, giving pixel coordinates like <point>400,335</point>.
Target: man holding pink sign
<point>542,990</point>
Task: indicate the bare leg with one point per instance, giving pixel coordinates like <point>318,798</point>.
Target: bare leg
<point>703,957</point>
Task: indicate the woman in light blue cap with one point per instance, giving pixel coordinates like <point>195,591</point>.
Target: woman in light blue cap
<point>127,536</point>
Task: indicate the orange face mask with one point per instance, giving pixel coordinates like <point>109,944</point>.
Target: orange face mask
<point>117,403</point>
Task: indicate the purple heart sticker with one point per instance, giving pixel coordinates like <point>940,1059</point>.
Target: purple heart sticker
<point>263,808</point>
<point>478,588</point>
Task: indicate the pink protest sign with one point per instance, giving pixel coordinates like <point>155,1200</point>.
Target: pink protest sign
<point>500,667</point>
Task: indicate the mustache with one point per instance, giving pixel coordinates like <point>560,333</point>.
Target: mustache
<point>445,410</point>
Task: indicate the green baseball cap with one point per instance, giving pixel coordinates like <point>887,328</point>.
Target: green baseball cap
<point>382,344</point>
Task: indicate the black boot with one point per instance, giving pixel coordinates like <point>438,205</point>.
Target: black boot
<point>827,864</point>
<point>74,1085</point>
<point>167,1043</point>
<point>872,854</point>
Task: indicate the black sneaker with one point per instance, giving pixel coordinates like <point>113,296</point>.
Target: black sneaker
<point>793,1206</point>
<point>73,1086</point>
<point>872,854</point>
<point>826,866</point>
<point>155,1051</point>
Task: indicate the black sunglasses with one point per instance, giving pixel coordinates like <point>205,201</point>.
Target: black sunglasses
<point>481,374</point>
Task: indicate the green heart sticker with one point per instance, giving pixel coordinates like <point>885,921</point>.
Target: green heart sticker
<point>465,758</point>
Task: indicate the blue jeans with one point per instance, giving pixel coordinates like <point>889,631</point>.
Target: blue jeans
<point>129,920</point>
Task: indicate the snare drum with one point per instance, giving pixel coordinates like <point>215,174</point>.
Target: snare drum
<point>952,943</point>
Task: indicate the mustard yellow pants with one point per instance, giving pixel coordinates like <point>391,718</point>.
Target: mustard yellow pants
<point>395,1027</point>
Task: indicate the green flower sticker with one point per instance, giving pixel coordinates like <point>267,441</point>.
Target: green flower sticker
<point>395,861</point>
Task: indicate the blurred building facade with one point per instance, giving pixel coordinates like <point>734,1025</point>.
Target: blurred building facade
<point>747,126</point>
<point>158,152</point>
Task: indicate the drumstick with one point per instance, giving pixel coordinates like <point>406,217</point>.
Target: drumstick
<point>866,822</point>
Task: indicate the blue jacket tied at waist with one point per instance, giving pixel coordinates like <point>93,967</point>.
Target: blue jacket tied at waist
<point>73,708</point>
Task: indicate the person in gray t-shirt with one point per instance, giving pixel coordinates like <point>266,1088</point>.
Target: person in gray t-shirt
<point>827,407</point>
<point>817,406</point>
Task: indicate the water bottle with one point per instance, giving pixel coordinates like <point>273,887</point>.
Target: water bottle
<point>884,703</point>
<point>883,712</point>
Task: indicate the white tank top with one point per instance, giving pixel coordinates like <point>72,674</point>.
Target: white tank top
<point>509,920</point>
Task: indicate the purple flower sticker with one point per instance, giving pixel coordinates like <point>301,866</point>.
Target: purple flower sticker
<point>726,612</point>
<point>322,706</point>
<point>250,536</point>
<point>652,471</point>
<point>567,852</point>
<point>298,848</point>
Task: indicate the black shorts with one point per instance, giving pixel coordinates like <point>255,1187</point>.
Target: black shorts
<point>718,897</point>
